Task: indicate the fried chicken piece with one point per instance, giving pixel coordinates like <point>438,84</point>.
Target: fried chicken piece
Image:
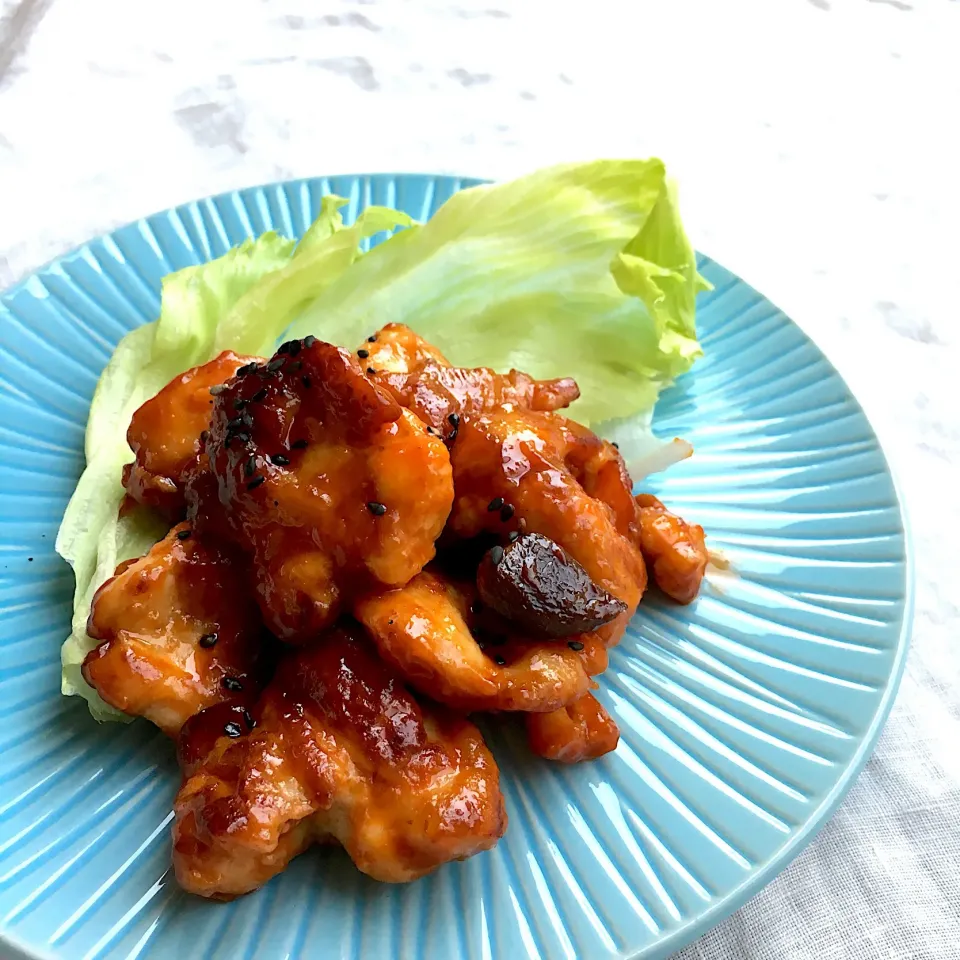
<point>339,750</point>
<point>676,550</point>
<point>583,730</point>
<point>329,484</point>
<point>517,464</point>
<point>164,435</point>
<point>422,379</point>
<point>520,470</point>
<point>179,633</point>
<point>429,630</point>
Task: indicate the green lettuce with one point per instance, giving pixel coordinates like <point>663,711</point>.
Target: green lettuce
<point>579,270</point>
<point>242,301</point>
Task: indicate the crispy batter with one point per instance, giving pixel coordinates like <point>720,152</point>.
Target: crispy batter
<point>676,550</point>
<point>164,435</point>
<point>340,750</point>
<point>429,629</point>
<point>327,481</point>
<point>583,730</point>
<point>151,617</point>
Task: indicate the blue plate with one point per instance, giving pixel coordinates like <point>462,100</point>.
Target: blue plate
<point>745,716</point>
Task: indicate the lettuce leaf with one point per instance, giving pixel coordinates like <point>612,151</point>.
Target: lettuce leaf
<point>579,270</point>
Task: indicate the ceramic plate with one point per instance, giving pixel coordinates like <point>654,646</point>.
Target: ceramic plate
<point>745,716</point>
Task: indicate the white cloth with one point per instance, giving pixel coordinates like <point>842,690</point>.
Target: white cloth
<point>815,146</point>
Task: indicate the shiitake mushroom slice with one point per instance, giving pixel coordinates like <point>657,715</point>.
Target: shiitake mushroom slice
<point>536,584</point>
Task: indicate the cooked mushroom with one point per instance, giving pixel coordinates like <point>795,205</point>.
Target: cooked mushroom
<point>536,584</point>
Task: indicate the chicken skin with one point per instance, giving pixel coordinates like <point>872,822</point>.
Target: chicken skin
<point>164,435</point>
<point>178,630</point>
<point>330,485</point>
<point>675,550</point>
<point>433,631</point>
<point>336,749</point>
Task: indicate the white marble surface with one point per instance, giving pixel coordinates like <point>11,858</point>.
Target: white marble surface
<point>815,143</point>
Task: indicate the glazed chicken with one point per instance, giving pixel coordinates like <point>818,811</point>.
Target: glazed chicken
<point>403,525</point>
<point>423,380</point>
<point>675,550</point>
<point>329,484</point>
<point>178,630</point>
<point>164,435</point>
<point>336,749</point>
<point>519,466</point>
<point>583,730</point>
<point>431,629</point>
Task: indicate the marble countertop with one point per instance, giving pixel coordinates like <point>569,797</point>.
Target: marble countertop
<point>817,158</point>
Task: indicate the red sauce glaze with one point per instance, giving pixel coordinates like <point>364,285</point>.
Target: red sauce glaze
<point>339,750</point>
<point>676,550</point>
<point>328,483</point>
<point>581,731</point>
<point>151,618</point>
<point>164,435</point>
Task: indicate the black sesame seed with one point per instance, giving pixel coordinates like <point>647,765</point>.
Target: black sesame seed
<point>248,718</point>
<point>275,364</point>
<point>29,559</point>
<point>183,535</point>
<point>232,684</point>
<point>307,382</point>
<point>513,536</point>
<point>376,508</point>
<point>247,418</point>
<point>371,371</point>
<point>255,482</point>
<point>232,730</point>
<point>506,512</point>
<point>363,354</point>
<point>291,347</point>
<point>390,622</point>
<point>295,366</point>
<point>496,555</point>
<point>208,640</point>
<point>495,504</point>
<point>615,444</point>
<point>260,395</point>
<point>298,445</point>
<point>217,389</point>
<point>280,460</point>
<point>372,338</point>
<point>247,368</point>
<point>235,423</point>
<point>431,431</point>
<point>309,341</point>
<point>204,435</point>
<point>239,403</point>
<point>575,645</point>
<point>454,419</point>
<point>242,436</point>
<point>499,661</point>
<point>250,467</point>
